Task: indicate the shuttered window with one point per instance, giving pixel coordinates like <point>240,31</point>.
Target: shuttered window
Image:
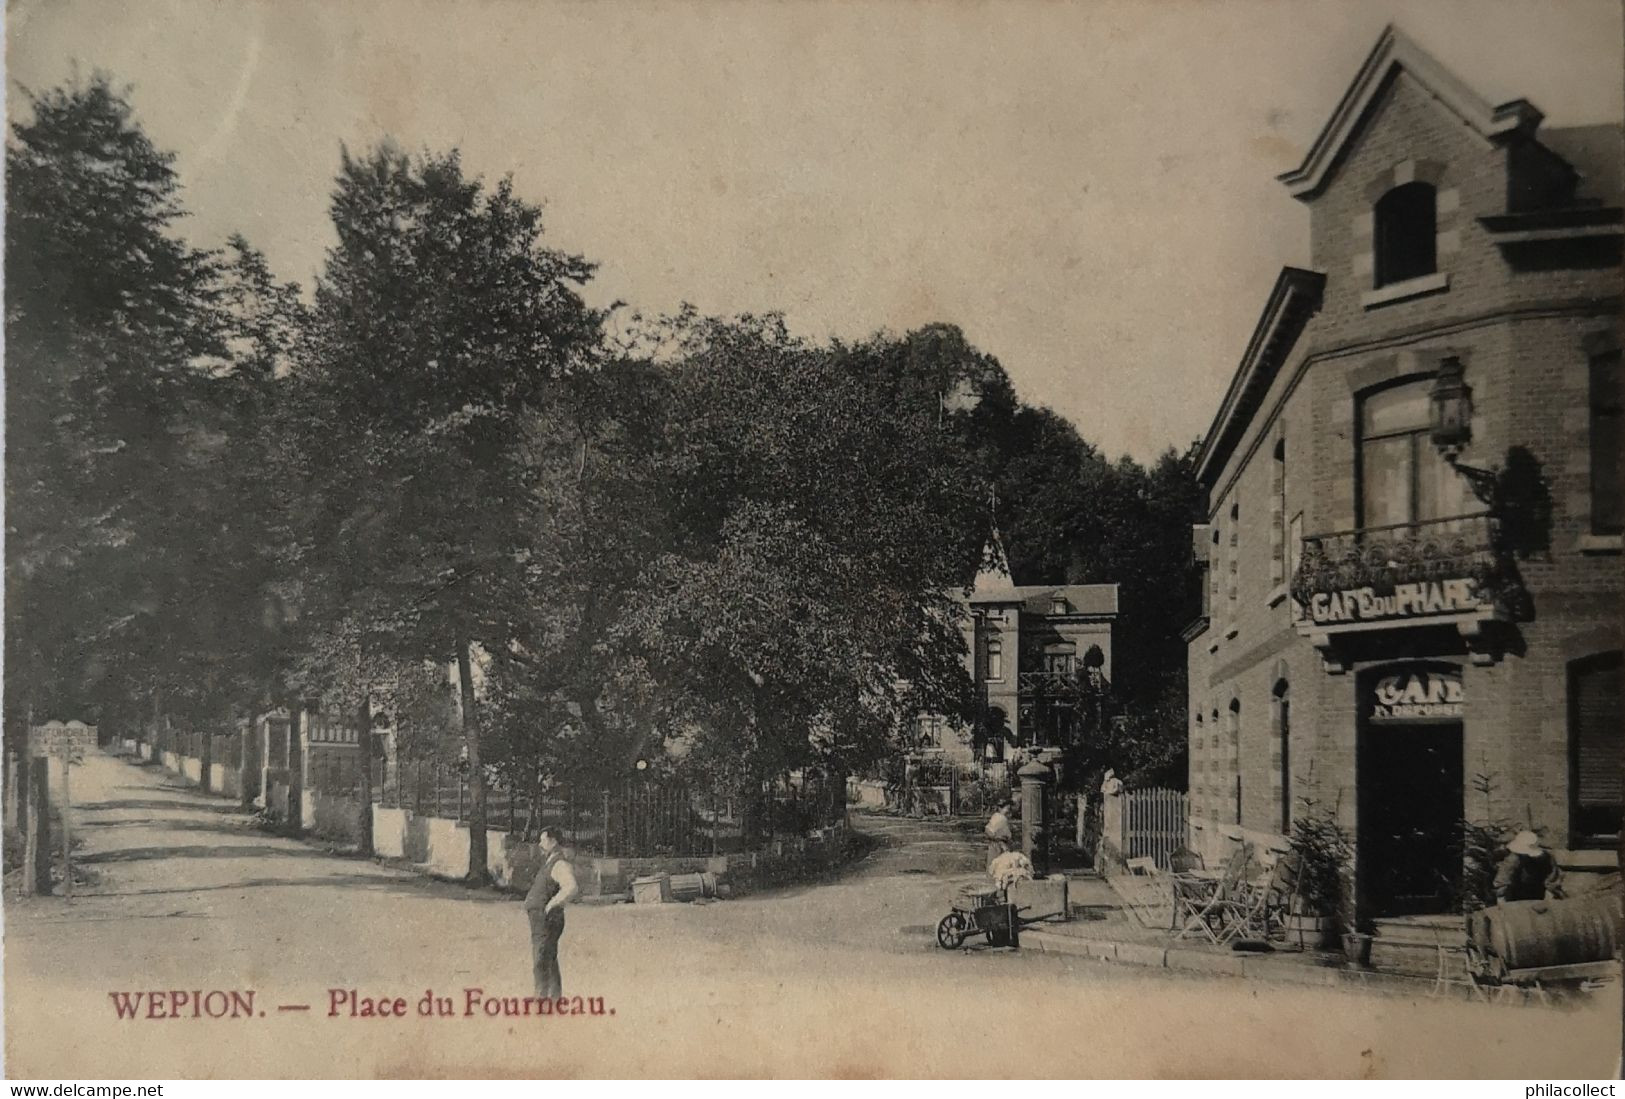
<point>1596,741</point>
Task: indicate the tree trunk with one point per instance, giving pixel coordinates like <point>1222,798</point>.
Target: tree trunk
<point>205,760</point>
<point>363,734</point>
<point>37,846</point>
<point>295,822</point>
<point>478,873</point>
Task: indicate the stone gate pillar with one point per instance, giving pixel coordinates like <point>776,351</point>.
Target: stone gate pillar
<point>1035,779</point>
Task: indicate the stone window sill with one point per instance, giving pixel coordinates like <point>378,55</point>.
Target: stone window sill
<point>1402,291</point>
<point>1604,856</point>
<point>1278,596</point>
<point>1599,543</point>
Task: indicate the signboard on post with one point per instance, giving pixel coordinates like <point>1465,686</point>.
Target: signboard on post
<point>65,740</point>
<point>68,742</point>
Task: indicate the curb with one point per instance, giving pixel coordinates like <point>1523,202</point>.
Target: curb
<point>1258,967</point>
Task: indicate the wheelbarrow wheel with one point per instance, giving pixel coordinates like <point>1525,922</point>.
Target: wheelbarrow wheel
<point>950,933</point>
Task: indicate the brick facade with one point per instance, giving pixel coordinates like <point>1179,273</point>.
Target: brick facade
<point>1524,314</point>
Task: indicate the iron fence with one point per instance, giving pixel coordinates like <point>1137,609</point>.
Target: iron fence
<point>635,817</point>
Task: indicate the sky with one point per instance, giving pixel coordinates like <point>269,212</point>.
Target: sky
<point>1087,189</point>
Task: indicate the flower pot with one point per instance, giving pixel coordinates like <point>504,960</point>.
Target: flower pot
<point>1311,931</point>
<point>1358,948</point>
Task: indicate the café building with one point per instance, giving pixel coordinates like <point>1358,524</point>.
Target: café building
<point>1412,600</point>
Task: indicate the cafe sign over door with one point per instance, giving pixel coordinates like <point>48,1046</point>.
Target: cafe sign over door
<point>1417,694</point>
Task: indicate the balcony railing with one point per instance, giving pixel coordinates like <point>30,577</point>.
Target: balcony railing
<point>1061,685</point>
<point>1382,559</point>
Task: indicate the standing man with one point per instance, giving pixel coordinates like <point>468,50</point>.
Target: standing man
<point>554,887</point>
<point>1000,838</point>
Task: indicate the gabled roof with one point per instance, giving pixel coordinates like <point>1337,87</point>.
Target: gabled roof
<point>1394,51</point>
<point>993,582</point>
<point>1293,300</point>
<point>994,585</point>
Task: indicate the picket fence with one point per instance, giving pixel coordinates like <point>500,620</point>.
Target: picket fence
<point>1154,823</point>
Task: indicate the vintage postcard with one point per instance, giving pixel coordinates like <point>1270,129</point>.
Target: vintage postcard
<point>825,539</point>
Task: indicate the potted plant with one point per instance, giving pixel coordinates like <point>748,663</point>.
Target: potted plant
<point>1324,855</point>
<point>1357,943</point>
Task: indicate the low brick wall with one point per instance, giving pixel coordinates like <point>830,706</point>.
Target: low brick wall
<point>867,793</point>
<point>277,805</point>
<point>335,817</point>
<point>1215,841</point>
<point>225,780</point>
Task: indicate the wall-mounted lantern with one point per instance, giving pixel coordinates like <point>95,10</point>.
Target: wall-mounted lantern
<point>1451,411</point>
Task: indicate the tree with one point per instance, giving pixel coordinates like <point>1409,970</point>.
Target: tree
<point>440,331</point>
<point>821,520</point>
<point>124,549</point>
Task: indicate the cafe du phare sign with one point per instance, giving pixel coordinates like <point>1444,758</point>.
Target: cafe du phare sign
<point>1424,599</point>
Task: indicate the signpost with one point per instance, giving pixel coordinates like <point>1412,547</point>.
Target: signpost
<point>67,742</point>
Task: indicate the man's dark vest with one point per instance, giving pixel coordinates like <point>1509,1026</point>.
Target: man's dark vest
<point>550,888</point>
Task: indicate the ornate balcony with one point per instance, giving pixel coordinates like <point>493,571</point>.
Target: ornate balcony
<point>1061,686</point>
<point>1454,571</point>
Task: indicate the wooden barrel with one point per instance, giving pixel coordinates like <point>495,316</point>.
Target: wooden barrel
<point>1537,934</point>
<point>689,887</point>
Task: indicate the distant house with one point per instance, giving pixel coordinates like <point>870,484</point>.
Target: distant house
<point>1040,655</point>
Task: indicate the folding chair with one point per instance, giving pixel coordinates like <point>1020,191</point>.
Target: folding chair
<point>1206,905</point>
<point>1258,909</point>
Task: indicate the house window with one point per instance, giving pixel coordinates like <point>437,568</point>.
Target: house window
<point>1403,478</point>
<point>1235,750</point>
<point>1596,741</point>
<point>1605,444</point>
<point>1278,520</point>
<point>1283,731</point>
<point>1294,549</point>
<point>1235,549</point>
<point>930,731</point>
<point>1060,663</point>
<point>1405,222</point>
<point>1215,573</point>
<point>1058,606</point>
<point>995,659</point>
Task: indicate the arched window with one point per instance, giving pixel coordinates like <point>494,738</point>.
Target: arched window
<point>1283,731</point>
<point>1405,221</point>
<point>1278,551</point>
<point>1235,750</point>
<point>1596,741</point>
<point>1235,550</point>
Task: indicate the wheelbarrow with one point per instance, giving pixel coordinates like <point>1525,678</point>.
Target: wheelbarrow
<point>980,910</point>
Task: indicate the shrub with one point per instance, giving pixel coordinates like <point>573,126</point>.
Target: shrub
<point>1326,855</point>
